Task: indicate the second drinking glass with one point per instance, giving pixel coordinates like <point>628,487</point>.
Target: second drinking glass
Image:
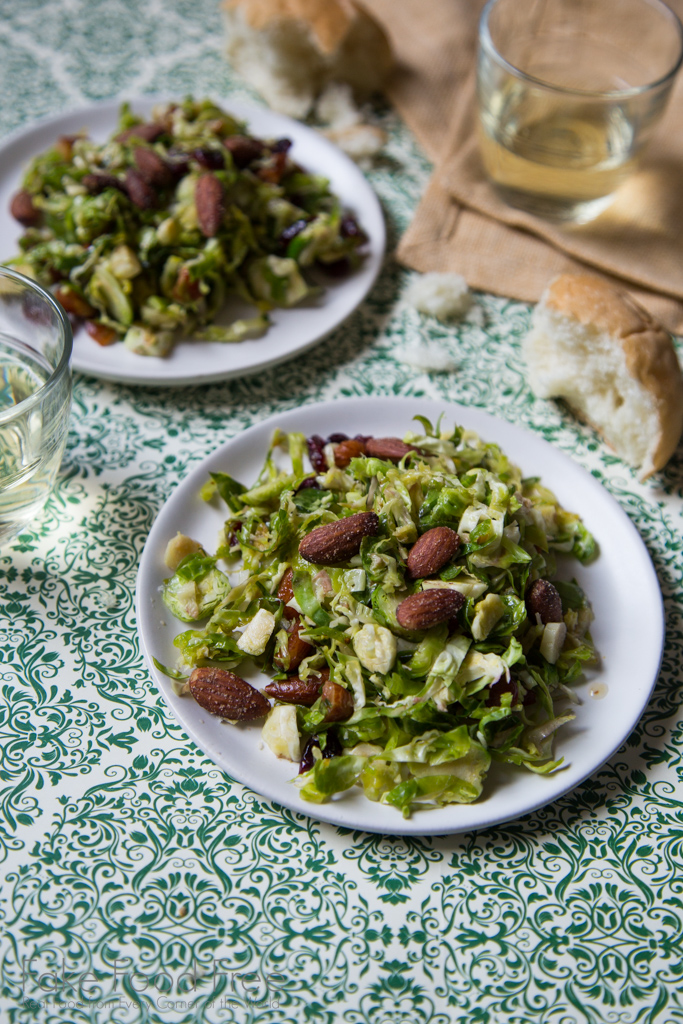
<point>568,93</point>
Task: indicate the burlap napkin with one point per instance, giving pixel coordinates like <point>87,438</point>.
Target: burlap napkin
<point>461,225</point>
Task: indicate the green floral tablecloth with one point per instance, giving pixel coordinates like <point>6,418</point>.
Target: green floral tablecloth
<point>140,884</point>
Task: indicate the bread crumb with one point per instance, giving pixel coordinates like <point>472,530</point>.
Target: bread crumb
<point>341,122</point>
<point>429,357</point>
<point>362,142</point>
<point>336,107</point>
<point>476,316</point>
<point>441,295</point>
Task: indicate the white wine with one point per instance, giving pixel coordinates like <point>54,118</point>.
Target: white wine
<point>568,93</point>
<point>554,156</point>
<point>32,442</point>
<point>22,372</point>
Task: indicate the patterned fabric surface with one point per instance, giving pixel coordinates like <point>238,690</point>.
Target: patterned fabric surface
<point>140,884</point>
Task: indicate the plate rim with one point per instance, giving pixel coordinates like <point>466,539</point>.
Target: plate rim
<point>245,110</point>
<point>419,824</point>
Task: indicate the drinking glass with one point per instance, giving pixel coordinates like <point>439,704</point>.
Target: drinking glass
<point>569,92</point>
<point>35,397</point>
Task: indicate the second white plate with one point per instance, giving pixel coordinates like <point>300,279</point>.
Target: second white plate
<point>621,585</point>
<point>195,362</point>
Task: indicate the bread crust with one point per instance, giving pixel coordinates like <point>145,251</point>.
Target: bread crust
<point>329,21</point>
<point>649,353</point>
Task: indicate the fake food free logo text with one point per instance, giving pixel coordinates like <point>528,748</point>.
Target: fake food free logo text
<point>211,983</point>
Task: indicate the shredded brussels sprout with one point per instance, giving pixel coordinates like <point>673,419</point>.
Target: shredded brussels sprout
<point>431,707</point>
<point>149,235</point>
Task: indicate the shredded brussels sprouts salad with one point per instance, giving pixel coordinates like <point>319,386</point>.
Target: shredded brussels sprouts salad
<point>146,236</point>
<point>399,595</point>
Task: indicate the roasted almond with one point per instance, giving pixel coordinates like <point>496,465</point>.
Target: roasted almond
<point>337,703</point>
<point>297,649</point>
<point>151,166</point>
<point>337,542</point>
<point>295,690</point>
<point>543,599</point>
<point>432,551</point>
<point>243,148</point>
<point>286,594</point>
<point>22,209</point>
<point>393,449</point>
<point>347,450</point>
<point>147,132</point>
<point>428,608</point>
<point>209,198</point>
<point>139,190</point>
<point>222,693</point>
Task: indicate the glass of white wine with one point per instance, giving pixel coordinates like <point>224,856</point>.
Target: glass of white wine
<point>569,92</point>
<point>35,398</point>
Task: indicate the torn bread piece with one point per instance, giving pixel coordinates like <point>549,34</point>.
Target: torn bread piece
<point>613,364</point>
<point>289,50</point>
<point>441,295</point>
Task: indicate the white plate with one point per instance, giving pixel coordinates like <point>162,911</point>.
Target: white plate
<point>621,584</point>
<point>195,362</point>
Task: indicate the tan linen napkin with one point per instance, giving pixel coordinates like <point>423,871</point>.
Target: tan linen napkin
<point>461,225</point>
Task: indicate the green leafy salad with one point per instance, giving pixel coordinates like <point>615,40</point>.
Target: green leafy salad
<point>145,237</point>
<point>401,595</point>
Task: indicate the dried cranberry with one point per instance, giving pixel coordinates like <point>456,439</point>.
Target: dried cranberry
<point>363,437</point>
<point>327,746</point>
<point>272,171</point>
<point>178,162</point>
<point>349,228</point>
<point>232,535</point>
<point>281,146</point>
<point>332,747</point>
<point>292,231</point>
<point>337,268</point>
<point>337,438</point>
<point>98,182</point>
<point>316,453</point>
<point>497,689</point>
<point>308,757</point>
<point>34,309</point>
<point>211,159</point>
<point>306,484</point>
